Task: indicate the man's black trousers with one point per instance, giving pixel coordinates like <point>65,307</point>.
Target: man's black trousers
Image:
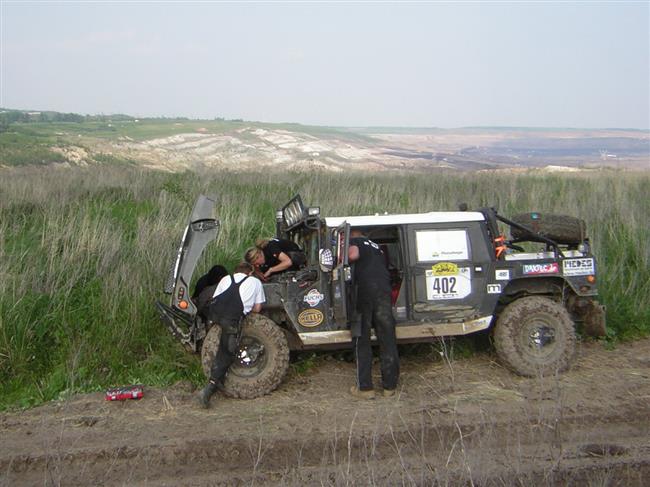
<point>225,356</point>
<point>376,312</point>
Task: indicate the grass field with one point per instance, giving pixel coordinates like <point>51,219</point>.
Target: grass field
<point>85,253</point>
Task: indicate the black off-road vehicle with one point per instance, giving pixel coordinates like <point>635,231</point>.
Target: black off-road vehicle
<point>453,273</point>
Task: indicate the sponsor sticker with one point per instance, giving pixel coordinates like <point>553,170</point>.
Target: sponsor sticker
<point>548,268</point>
<point>502,274</point>
<point>310,318</point>
<point>494,288</point>
<point>578,267</point>
<point>445,269</point>
<point>447,285</point>
<point>313,297</point>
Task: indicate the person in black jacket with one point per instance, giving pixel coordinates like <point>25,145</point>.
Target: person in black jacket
<point>206,285</point>
<point>374,310</point>
<point>211,278</point>
<point>275,255</point>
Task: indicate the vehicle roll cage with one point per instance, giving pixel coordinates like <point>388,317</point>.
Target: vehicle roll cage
<point>491,217</point>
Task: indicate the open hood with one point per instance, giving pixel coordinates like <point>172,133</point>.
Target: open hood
<point>202,229</point>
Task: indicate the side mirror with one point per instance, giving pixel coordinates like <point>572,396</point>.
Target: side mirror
<point>326,260</point>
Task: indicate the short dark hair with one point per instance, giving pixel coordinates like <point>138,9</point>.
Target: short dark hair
<point>244,268</point>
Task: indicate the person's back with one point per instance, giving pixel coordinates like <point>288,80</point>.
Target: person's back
<point>276,246</point>
<point>227,306</point>
<point>370,270</point>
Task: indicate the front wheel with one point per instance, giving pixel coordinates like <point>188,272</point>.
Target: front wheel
<point>535,335</point>
<point>261,362</point>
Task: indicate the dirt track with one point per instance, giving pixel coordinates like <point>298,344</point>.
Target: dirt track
<point>467,422</point>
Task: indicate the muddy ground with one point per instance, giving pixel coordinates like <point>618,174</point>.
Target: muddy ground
<point>454,422</point>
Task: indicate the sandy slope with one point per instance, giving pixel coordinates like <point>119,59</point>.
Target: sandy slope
<point>464,149</point>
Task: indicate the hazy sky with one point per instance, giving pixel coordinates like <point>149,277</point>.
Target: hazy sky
<point>434,64</point>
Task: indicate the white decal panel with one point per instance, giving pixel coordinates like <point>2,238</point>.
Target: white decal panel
<point>502,274</point>
<point>578,267</point>
<point>437,245</point>
<point>448,281</point>
<point>494,288</point>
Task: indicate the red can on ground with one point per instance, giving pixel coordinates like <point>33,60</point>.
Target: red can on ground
<point>124,393</point>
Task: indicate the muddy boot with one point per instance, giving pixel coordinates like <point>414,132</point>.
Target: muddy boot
<point>388,392</point>
<point>359,394</point>
<point>206,394</point>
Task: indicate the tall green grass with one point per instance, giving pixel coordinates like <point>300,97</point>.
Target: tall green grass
<point>85,252</point>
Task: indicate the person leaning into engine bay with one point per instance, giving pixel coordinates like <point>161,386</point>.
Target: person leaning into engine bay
<point>275,255</point>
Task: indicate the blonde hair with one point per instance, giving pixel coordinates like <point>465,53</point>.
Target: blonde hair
<point>252,254</point>
<point>261,243</point>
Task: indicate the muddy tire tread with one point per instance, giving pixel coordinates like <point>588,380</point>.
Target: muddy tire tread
<point>507,340</point>
<point>277,349</point>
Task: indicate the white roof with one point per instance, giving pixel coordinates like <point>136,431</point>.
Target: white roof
<point>431,217</point>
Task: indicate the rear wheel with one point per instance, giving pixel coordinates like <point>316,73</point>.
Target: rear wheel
<point>535,335</point>
<point>261,362</point>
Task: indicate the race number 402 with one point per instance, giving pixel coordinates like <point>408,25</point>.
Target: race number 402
<point>455,286</point>
<point>444,285</point>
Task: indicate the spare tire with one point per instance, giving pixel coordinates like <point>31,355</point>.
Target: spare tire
<point>562,229</point>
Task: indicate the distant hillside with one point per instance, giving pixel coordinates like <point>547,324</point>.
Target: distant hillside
<point>29,137</point>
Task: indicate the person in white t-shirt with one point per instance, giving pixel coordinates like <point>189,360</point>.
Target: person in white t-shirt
<point>236,295</point>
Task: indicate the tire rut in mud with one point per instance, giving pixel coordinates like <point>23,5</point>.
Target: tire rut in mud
<point>492,452</point>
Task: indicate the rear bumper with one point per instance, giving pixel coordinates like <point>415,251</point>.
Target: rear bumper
<point>595,321</point>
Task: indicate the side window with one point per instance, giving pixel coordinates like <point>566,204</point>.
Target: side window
<point>441,245</point>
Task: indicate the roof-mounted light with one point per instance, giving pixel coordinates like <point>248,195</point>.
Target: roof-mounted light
<point>293,213</point>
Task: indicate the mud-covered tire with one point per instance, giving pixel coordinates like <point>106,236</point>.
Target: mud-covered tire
<point>535,336</point>
<point>267,369</point>
<point>562,229</point>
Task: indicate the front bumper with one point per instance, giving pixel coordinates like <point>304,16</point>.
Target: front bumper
<point>172,318</point>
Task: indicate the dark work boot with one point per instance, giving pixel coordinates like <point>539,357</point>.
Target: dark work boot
<point>206,394</point>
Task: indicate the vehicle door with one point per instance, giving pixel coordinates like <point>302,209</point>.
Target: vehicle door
<point>447,274</point>
<point>341,275</point>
